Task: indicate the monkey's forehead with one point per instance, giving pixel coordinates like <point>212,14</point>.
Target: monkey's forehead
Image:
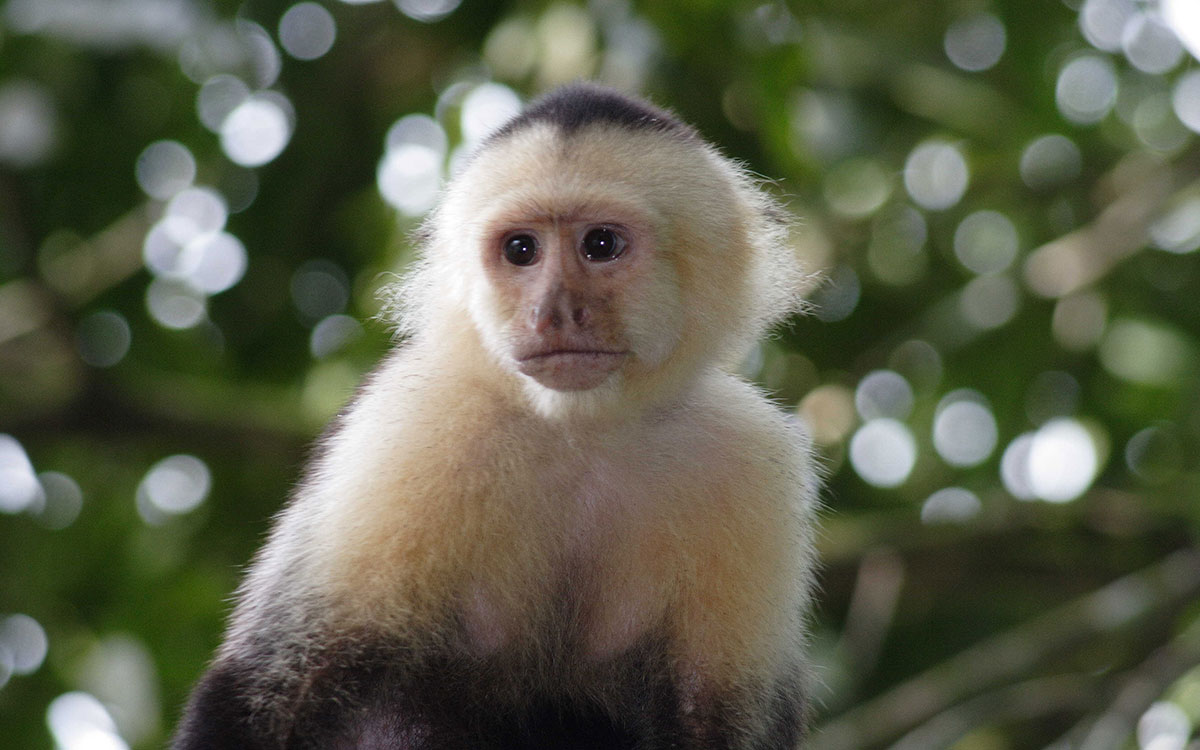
<point>601,162</point>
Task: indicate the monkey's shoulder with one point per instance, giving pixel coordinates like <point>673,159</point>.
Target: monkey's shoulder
<point>732,413</point>
<point>417,397</point>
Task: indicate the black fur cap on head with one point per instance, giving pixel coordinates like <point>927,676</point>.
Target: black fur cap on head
<point>577,105</point>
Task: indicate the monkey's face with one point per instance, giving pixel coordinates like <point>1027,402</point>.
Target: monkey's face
<point>559,286</point>
<point>601,267</point>
<point>577,291</point>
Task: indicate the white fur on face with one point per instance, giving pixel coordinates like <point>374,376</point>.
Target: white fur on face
<point>654,319</point>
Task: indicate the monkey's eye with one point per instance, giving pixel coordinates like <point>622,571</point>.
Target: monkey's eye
<point>602,244</point>
<point>520,249</point>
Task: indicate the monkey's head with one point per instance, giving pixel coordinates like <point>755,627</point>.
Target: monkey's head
<point>605,253</point>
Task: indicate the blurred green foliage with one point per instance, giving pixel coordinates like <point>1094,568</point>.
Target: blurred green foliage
<point>999,200</point>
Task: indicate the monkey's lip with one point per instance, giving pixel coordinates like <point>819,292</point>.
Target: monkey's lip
<point>568,353</point>
<point>570,368</point>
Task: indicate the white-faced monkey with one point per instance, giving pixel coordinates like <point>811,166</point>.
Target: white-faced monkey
<point>552,518</point>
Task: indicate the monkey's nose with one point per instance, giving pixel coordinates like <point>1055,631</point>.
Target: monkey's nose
<point>556,311</point>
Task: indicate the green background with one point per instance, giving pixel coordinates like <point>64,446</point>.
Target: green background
<point>984,619</point>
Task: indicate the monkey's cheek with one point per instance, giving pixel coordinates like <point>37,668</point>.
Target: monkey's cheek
<point>573,371</point>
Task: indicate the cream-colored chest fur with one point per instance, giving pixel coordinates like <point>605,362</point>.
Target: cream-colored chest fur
<point>548,536</point>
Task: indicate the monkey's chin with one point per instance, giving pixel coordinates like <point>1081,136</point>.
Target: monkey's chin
<point>558,405</point>
<point>571,371</point>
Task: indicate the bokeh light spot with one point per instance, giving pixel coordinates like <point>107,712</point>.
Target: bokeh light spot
<point>838,297</point>
<point>986,242</point>
<point>103,338</point>
<point>173,486</point>
<point>120,670</point>
<point>883,452</point>
<point>1049,161</point>
<point>936,175</point>
<point>193,212</point>
<point>332,334</point>
<point>511,48</point>
<point>217,97</point>
<point>261,52</point>
<point>857,188</point>
<point>1057,463</point>
<point>307,31</point>
<point>19,487</point>
<point>1062,462</point>
<point>1185,99</point>
<point>951,505</point>
<point>410,173</point>
<point>964,429</point>
<point>28,124</point>
<point>80,722</point>
<point>63,500</point>
<point>989,302</point>
<point>828,410</point>
<point>409,178</point>
<point>1157,126</point>
<point>883,393</point>
<point>319,289</point>
<point>976,42</point>
<point>1086,89</point>
<point>26,642</point>
<point>1183,16</point>
<point>1150,45</point>
<point>486,108</point>
<point>255,132</point>
<point>213,262</point>
<point>567,41</point>
<point>187,246</point>
<point>1014,467</point>
<point>164,168</point>
<point>418,130</point>
<point>160,249</point>
<point>175,304</point>
<point>1164,726</point>
<point>1156,454</point>
<point>427,11</point>
<point>1145,352</point>
<point>1178,230</point>
<point>822,124</point>
<point>1103,22</point>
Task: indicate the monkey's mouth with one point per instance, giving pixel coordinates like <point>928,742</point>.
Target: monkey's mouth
<point>568,369</point>
<point>581,353</point>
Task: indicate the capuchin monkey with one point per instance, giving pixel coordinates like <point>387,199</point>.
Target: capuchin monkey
<point>553,517</point>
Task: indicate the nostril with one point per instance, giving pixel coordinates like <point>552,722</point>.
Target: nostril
<point>544,317</point>
<point>580,316</point>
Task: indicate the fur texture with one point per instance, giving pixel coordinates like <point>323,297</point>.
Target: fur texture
<point>477,560</point>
